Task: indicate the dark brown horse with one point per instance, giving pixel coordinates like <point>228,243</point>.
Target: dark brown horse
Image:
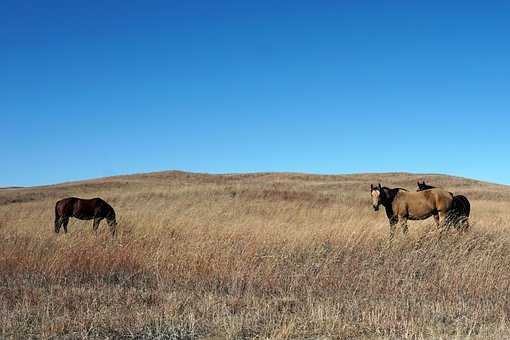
<point>461,207</point>
<point>402,205</point>
<point>84,209</point>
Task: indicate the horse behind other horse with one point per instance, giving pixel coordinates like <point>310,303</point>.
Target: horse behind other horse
<point>460,211</point>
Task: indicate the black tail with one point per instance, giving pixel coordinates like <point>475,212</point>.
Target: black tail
<point>461,206</point>
<point>467,205</point>
<point>461,209</point>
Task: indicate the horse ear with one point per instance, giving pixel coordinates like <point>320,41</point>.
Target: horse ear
<point>380,186</point>
<point>371,187</point>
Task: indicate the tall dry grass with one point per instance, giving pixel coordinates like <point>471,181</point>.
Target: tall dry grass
<point>251,256</point>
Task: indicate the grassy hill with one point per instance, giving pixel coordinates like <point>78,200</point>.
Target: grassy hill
<point>269,255</point>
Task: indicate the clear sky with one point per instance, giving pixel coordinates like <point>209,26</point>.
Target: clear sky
<point>100,88</point>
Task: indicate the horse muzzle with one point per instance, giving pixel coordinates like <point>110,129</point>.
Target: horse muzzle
<point>376,208</point>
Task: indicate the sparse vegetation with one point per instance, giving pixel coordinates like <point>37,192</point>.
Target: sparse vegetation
<point>244,256</point>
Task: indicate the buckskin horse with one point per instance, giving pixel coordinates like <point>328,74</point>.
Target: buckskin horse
<point>461,207</point>
<point>402,205</point>
<point>84,209</point>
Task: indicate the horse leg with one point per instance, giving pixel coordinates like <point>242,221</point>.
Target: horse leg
<point>65,221</point>
<point>113,226</point>
<point>96,223</point>
<point>444,222</point>
<point>58,223</point>
<point>403,224</point>
<point>393,223</point>
<point>436,219</point>
<point>443,217</point>
<point>464,224</point>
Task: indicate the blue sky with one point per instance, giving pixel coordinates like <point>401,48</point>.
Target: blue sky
<point>91,89</point>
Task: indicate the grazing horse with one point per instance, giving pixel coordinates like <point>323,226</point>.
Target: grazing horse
<point>461,206</point>
<point>402,205</point>
<point>84,209</point>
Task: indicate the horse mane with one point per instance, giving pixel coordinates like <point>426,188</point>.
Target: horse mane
<point>392,189</point>
<point>390,193</point>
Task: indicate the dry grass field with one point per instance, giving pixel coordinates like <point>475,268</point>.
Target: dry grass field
<point>252,256</point>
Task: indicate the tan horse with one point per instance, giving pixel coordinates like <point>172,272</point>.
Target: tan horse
<point>402,205</point>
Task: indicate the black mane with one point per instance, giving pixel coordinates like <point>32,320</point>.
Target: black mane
<point>388,195</point>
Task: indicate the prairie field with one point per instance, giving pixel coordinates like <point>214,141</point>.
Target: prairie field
<point>266,255</point>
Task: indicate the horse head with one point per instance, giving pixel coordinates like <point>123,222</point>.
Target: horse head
<point>375,193</point>
<point>422,186</point>
<point>112,221</point>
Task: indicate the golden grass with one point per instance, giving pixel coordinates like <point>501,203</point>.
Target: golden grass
<point>251,256</point>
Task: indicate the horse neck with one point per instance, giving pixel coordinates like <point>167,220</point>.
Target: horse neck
<point>110,216</point>
<point>389,197</point>
<point>389,210</point>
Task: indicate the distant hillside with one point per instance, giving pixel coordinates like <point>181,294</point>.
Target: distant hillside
<point>359,182</point>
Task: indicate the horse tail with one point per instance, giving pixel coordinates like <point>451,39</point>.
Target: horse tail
<point>461,209</point>
<point>457,205</point>
<point>461,205</point>
<point>467,205</point>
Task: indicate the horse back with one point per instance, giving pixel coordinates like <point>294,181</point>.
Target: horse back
<point>64,207</point>
<point>83,208</point>
<point>443,199</point>
<point>425,202</point>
